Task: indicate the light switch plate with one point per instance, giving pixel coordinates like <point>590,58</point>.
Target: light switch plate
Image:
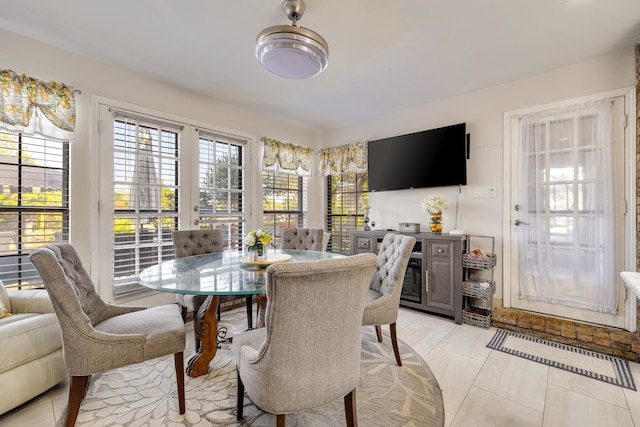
<point>487,191</point>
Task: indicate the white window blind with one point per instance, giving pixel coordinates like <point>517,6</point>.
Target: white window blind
<point>222,186</point>
<point>146,167</point>
<point>34,203</point>
<point>346,194</point>
<point>284,202</point>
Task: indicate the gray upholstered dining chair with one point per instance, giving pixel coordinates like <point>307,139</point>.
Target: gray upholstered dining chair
<point>308,353</point>
<point>383,300</point>
<point>97,336</point>
<point>307,239</point>
<point>197,242</point>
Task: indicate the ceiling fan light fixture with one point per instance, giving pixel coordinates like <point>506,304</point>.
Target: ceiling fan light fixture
<point>290,51</point>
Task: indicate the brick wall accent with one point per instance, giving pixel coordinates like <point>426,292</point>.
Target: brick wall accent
<point>611,341</point>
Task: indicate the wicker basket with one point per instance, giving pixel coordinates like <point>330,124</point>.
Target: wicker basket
<point>476,290</point>
<point>483,263</point>
<point>477,317</point>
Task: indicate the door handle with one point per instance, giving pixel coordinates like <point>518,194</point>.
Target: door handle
<point>518,222</point>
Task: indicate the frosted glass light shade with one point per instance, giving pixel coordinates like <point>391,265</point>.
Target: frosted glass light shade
<point>292,52</point>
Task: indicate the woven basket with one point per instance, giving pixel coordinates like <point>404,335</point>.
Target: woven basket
<point>482,263</point>
<point>477,317</point>
<point>477,290</point>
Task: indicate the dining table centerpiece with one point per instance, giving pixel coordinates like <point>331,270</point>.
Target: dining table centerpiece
<point>256,241</point>
<point>434,206</point>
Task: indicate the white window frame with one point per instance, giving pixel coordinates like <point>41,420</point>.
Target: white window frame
<point>354,219</point>
<point>102,213</point>
<point>300,212</point>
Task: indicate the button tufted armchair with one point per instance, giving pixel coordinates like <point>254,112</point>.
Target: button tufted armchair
<point>383,300</point>
<point>97,336</point>
<point>301,238</point>
<point>308,353</point>
<point>197,242</point>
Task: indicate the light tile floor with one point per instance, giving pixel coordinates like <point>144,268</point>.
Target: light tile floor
<point>480,387</point>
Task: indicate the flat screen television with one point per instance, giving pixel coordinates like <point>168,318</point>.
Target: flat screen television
<point>431,158</point>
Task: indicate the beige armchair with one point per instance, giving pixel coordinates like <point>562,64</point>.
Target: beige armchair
<point>383,300</point>
<point>97,336</point>
<point>301,238</point>
<point>308,354</point>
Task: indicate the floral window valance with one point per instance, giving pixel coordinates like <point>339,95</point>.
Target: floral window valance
<point>32,106</point>
<point>287,158</point>
<point>343,159</point>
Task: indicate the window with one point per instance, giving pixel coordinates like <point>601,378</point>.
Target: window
<point>284,201</point>
<point>145,196</point>
<point>157,175</point>
<point>34,203</point>
<point>346,194</point>
<point>222,191</point>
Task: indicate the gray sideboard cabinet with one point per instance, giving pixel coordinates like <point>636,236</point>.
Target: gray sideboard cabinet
<point>433,280</point>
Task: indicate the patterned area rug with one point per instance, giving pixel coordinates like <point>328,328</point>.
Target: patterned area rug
<point>594,365</point>
<point>145,394</point>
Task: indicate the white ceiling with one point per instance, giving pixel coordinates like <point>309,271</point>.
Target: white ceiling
<point>384,55</point>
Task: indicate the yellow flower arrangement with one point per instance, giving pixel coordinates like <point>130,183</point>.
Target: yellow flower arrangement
<point>256,238</point>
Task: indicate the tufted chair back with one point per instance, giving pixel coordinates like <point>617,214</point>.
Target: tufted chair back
<point>197,242</point>
<point>383,300</point>
<point>75,295</point>
<point>393,259</point>
<point>301,238</point>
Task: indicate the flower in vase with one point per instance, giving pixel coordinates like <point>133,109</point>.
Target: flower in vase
<point>434,205</point>
<point>256,238</point>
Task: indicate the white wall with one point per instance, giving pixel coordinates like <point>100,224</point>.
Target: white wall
<point>482,111</point>
<point>44,62</point>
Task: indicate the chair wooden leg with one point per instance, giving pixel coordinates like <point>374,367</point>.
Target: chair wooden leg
<point>239,396</point>
<point>394,343</point>
<point>350,409</point>
<point>379,332</point>
<point>281,420</point>
<point>249,303</point>
<point>77,390</point>
<point>178,359</point>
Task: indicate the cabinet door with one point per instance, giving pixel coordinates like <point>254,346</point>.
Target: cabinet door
<point>440,277</point>
<point>362,244</point>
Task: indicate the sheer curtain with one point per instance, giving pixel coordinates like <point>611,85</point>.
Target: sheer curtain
<point>567,248</point>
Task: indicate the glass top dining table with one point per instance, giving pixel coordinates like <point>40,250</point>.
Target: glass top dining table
<point>223,273</point>
<point>214,275</point>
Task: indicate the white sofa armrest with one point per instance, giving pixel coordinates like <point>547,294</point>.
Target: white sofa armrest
<point>30,301</point>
